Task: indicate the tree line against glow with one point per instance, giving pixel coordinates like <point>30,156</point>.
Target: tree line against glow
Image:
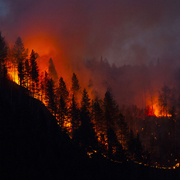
<point>95,124</point>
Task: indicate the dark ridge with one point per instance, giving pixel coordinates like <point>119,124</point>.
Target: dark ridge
<point>32,146</point>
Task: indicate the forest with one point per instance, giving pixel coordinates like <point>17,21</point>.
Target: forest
<point>98,123</point>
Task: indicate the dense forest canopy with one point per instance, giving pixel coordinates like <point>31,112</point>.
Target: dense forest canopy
<point>122,112</point>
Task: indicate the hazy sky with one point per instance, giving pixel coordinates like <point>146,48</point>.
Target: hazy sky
<point>123,31</point>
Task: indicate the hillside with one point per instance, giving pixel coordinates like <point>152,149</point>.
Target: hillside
<point>34,147</point>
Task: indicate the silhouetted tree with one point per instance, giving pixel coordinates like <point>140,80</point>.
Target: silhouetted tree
<point>52,72</point>
<point>34,71</point>
<point>3,56</point>
<point>135,147</point>
<point>85,103</point>
<point>75,84</point>
<point>62,90</point>
<point>74,115</point>
<point>131,144</point>
<point>123,133</point>
<point>164,96</point>
<point>110,116</point>
<point>85,134</point>
<point>98,121</point>
<point>27,73</point>
<point>115,149</point>
<point>62,99</point>
<point>62,111</point>
<point>111,110</point>
<point>50,97</point>
<point>20,54</point>
<point>42,86</point>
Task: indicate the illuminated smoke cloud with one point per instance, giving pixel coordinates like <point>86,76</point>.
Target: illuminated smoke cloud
<point>124,32</point>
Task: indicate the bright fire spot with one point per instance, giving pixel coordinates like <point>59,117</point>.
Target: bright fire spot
<point>13,73</point>
<point>153,109</point>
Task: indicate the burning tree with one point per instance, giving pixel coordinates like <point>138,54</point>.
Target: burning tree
<point>62,101</point>
<point>20,54</point>
<point>164,97</point>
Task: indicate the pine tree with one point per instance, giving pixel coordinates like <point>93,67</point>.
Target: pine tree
<point>20,54</point>
<point>50,97</point>
<point>85,103</point>
<point>52,72</point>
<point>27,73</point>
<point>98,120</point>
<point>75,84</point>
<point>62,90</point>
<point>34,71</point>
<point>115,149</point>
<point>122,130</point>
<point>3,57</point>
<point>63,99</point>
<point>131,144</point>
<point>74,115</point>
<point>135,147</point>
<point>62,111</point>
<point>111,110</point>
<point>85,134</point>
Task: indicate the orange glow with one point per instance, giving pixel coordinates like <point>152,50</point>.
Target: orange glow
<point>13,73</point>
<point>153,108</point>
<point>41,43</point>
<point>47,46</point>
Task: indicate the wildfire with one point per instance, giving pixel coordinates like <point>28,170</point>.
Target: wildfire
<point>12,72</point>
<point>153,108</point>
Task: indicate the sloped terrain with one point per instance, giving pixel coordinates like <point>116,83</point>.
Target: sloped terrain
<point>32,146</point>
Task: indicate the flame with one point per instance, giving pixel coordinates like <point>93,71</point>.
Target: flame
<point>13,73</point>
<point>153,108</point>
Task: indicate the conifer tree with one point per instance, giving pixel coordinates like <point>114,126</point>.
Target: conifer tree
<point>62,90</point>
<point>20,54</point>
<point>3,56</point>
<point>62,111</point>
<point>85,103</point>
<point>74,115</point>
<point>131,144</point>
<point>114,147</point>
<point>111,112</point>
<point>27,73</point>
<point>122,129</point>
<point>42,87</point>
<point>34,71</point>
<point>75,84</point>
<point>52,72</point>
<point>50,97</point>
<point>85,134</point>
<point>98,121</point>
<point>62,98</point>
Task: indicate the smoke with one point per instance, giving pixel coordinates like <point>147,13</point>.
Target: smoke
<point>125,32</point>
<point>122,31</point>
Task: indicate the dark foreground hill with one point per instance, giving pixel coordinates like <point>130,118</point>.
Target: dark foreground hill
<point>32,146</point>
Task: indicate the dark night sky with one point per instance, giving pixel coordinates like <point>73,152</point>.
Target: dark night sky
<point>123,31</point>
